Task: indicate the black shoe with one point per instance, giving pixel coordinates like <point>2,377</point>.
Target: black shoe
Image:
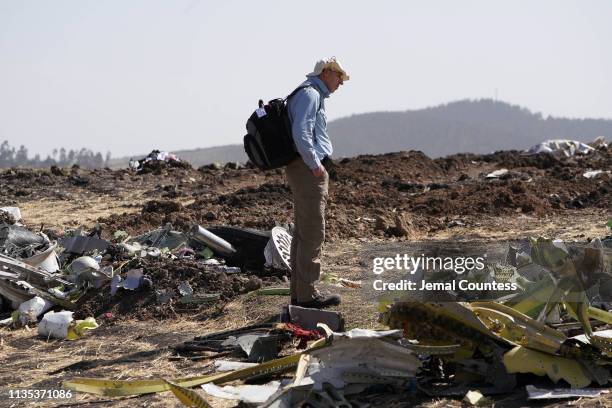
<point>320,301</point>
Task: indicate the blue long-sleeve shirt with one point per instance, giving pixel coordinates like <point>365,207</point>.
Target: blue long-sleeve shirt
<point>309,127</point>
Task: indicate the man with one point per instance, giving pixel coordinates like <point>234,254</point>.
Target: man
<point>309,180</point>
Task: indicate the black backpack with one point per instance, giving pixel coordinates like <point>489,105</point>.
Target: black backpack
<point>269,141</point>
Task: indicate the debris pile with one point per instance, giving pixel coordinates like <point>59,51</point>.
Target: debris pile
<point>477,349</point>
<point>156,274</point>
<point>156,161</point>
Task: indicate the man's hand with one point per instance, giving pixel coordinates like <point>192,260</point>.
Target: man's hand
<point>319,171</point>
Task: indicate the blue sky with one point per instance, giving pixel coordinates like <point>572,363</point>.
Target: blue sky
<point>132,75</point>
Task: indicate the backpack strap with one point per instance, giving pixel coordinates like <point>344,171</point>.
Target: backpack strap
<point>300,88</point>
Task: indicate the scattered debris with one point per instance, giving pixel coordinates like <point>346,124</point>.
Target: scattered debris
<point>474,398</point>
<point>29,311</point>
<point>226,365</point>
<point>156,156</point>
<point>594,173</point>
<point>55,324</point>
<point>249,394</point>
<point>333,279</point>
<point>217,244</point>
<point>80,245</point>
<point>309,318</point>
<point>62,326</point>
<point>497,173</point>
<point>564,147</point>
<point>535,393</point>
<point>278,248</point>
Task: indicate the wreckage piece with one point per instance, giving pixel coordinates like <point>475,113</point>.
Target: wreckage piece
<point>601,340</point>
<point>55,325</point>
<point>85,270</point>
<point>19,236</point>
<point>133,279</point>
<point>235,332</point>
<point>258,348</point>
<point>250,245</point>
<point>278,248</point>
<point>46,260</point>
<point>334,279</point>
<point>474,398</point>
<point>474,323</point>
<point>248,393</point>
<point>115,388</point>
<point>545,296</point>
<point>160,238</point>
<point>31,274</point>
<point>535,393</point>
<point>83,264</point>
<point>31,309</point>
<point>441,324</point>
<point>569,287</point>
<point>518,328</point>
<point>62,326</point>
<point>217,244</point>
<point>524,360</point>
<point>308,318</point>
<point>224,340</point>
<point>18,291</point>
<point>185,289</point>
<point>330,397</point>
<point>497,173</point>
<point>21,282</point>
<point>563,147</point>
<point>257,344</point>
<point>188,397</point>
<point>482,323</point>
<point>289,397</point>
<point>533,298</point>
<point>80,245</point>
<point>353,358</point>
<point>228,365</point>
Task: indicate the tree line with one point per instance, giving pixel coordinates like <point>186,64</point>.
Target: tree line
<point>12,157</point>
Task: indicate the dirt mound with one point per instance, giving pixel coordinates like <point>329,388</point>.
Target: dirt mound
<point>364,187</point>
<point>371,186</point>
<point>161,206</point>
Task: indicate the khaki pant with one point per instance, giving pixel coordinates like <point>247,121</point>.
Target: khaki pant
<point>309,198</point>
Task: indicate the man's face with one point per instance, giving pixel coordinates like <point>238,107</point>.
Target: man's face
<point>332,79</point>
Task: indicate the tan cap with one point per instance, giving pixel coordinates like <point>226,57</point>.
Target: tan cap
<point>329,63</point>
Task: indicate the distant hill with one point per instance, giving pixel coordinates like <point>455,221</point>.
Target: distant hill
<point>477,126</point>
